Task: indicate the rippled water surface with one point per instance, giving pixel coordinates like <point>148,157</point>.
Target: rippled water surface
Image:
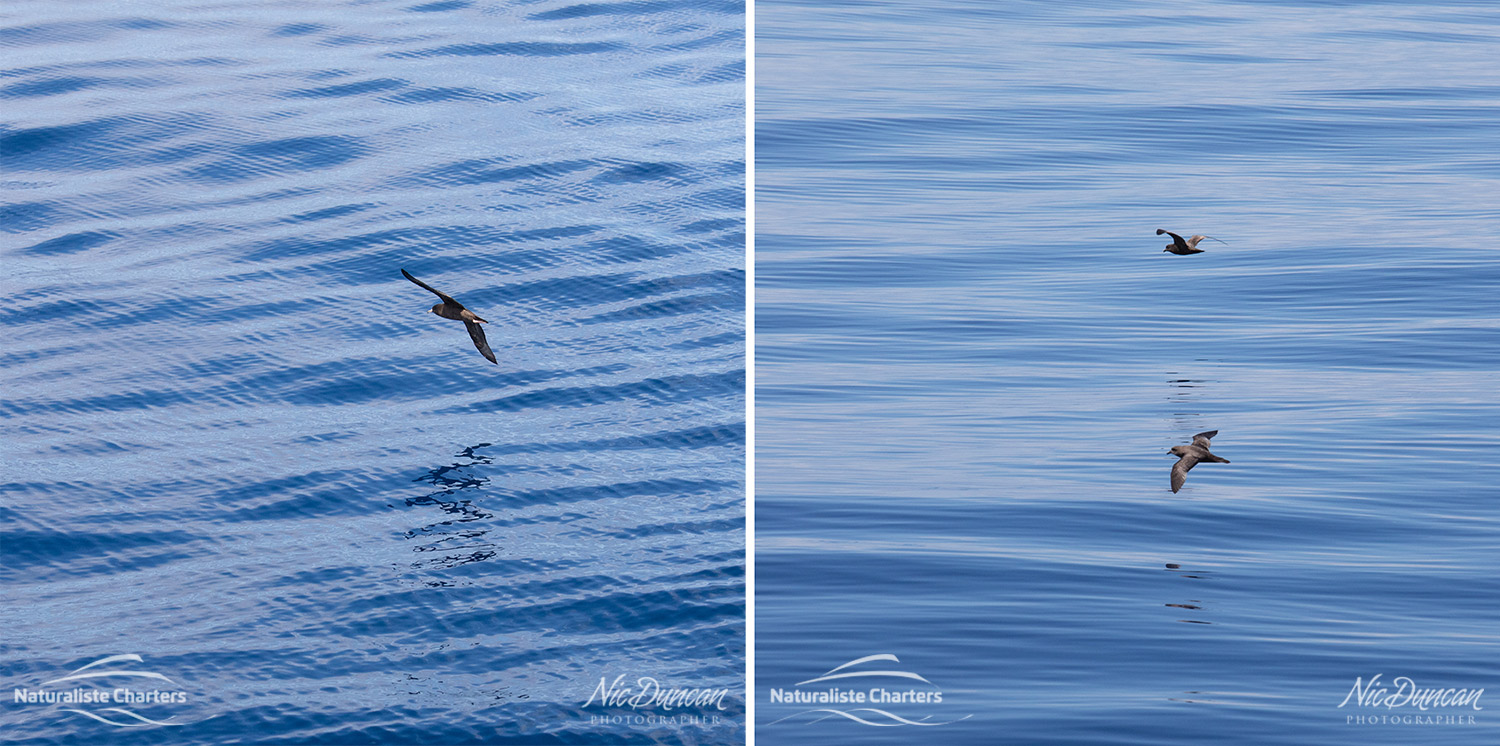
<point>973,356</point>
<point>238,447</point>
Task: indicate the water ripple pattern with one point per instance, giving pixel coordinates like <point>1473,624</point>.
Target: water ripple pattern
<point>238,448</point>
<point>973,356</point>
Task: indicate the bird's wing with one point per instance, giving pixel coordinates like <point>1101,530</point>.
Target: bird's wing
<point>476,333</point>
<point>446,297</point>
<point>1201,439</point>
<point>1198,238</point>
<point>1176,239</point>
<point>1180,470</point>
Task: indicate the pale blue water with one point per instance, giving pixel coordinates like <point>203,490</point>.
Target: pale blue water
<point>973,356</point>
<point>236,444</point>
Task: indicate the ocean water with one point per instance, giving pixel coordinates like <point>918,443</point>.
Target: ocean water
<point>237,446</point>
<point>972,356</point>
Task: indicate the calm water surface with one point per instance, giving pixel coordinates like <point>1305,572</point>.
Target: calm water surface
<point>237,446</point>
<point>973,356</point>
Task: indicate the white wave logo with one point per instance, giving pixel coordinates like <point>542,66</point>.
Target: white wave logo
<point>133,658</point>
<point>883,694</point>
<point>891,719</point>
<point>144,721</point>
<point>833,672</point>
<point>91,693</point>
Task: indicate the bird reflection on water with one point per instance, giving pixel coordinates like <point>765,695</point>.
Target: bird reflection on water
<point>1192,604</point>
<point>451,536</point>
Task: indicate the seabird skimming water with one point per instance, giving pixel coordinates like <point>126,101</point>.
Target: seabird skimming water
<point>1190,455</point>
<point>1189,246</point>
<point>452,309</point>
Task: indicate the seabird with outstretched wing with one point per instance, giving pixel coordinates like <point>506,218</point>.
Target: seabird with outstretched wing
<point>1190,455</point>
<point>1183,246</point>
<point>452,309</point>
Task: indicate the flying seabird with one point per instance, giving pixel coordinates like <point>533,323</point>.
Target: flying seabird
<point>1190,246</point>
<point>1190,455</point>
<point>452,309</point>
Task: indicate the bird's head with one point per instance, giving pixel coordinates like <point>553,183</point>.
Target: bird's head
<point>1176,451</point>
<point>1169,248</point>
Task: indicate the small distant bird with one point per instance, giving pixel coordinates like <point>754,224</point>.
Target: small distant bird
<point>1190,246</point>
<point>452,309</point>
<point>1190,455</point>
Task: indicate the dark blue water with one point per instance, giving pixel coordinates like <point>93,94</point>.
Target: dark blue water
<point>973,356</point>
<point>238,447</point>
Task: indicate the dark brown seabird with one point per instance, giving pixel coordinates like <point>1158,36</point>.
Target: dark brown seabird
<point>452,309</point>
<point>1184,247</point>
<point>1190,455</point>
